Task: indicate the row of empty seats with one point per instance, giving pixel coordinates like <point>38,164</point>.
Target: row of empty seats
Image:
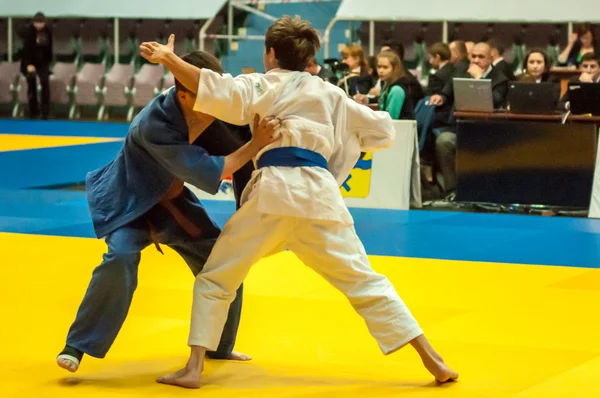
<point>92,86</point>
<point>92,40</point>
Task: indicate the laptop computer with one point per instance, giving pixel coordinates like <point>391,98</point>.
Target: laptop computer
<point>584,98</point>
<point>473,95</point>
<point>532,98</point>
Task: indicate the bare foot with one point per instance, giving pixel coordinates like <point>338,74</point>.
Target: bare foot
<point>439,369</point>
<point>68,362</point>
<point>433,361</point>
<point>238,356</point>
<point>186,378</point>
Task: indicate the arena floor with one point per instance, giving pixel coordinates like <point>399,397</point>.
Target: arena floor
<point>511,302</point>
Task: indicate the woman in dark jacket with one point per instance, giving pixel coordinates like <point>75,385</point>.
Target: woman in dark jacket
<point>397,89</point>
<point>36,60</point>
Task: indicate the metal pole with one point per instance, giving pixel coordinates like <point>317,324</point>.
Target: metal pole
<point>202,34</point>
<point>10,40</point>
<point>254,11</point>
<point>569,31</point>
<point>116,39</point>
<point>240,37</point>
<point>445,31</point>
<point>327,38</point>
<point>371,38</point>
<point>229,24</point>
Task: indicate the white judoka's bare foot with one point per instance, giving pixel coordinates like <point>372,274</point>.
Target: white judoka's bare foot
<point>439,369</point>
<point>186,378</point>
<point>67,364</point>
<point>238,356</point>
<point>433,361</point>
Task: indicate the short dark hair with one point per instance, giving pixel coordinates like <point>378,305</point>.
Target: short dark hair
<point>590,57</point>
<point>493,43</point>
<point>440,49</point>
<point>39,17</point>
<point>202,60</point>
<point>295,42</point>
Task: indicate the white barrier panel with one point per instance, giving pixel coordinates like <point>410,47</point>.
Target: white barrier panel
<point>467,11</point>
<point>595,201</point>
<point>160,9</point>
<point>388,179</point>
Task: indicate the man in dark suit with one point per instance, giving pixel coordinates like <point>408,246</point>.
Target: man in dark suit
<point>439,58</point>
<point>36,60</point>
<point>498,61</point>
<point>590,73</point>
<point>459,57</point>
<point>480,68</point>
<point>445,144</point>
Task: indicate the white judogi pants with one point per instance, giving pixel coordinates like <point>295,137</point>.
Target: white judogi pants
<point>330,248</point>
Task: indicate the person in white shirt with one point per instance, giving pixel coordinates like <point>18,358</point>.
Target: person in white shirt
<point>293,200</point>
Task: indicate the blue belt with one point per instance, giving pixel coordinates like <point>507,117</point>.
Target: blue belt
<point>290,156</point>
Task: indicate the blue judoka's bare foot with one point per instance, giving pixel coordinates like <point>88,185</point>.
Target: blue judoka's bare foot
<point>69,358</point>
<point>70,364</point>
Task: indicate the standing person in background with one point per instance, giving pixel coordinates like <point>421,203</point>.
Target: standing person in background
<point>37,57</point>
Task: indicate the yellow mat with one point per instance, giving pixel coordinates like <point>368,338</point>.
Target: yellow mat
<point>15,142</point>
<point>510,330</point>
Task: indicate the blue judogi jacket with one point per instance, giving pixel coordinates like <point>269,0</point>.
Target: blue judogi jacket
<point>155,154</point>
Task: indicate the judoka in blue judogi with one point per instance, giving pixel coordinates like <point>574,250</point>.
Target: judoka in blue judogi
<point>140,199</point>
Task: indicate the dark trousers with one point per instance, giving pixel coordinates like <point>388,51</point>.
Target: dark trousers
<point>44,75</point>
<point>110,292</point>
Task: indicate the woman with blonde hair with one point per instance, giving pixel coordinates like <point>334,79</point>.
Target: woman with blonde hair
<point>395,95</point>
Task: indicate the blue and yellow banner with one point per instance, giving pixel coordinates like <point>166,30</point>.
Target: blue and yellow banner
<point>358,183</point>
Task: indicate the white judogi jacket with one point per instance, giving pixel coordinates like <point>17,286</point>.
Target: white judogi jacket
<point>315,115</point>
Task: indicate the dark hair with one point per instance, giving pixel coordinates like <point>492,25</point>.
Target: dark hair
<point>440,49</point>
<point>200,59</point>
<point>493,43</point>
<point>546,73</point>
<point>585,28</point>
<point>589,57</point>
<point>39,17</point>
<point>396,47</point>
<point>294,41</point>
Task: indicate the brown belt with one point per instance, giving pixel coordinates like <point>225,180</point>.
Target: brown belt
<point>167,202</point>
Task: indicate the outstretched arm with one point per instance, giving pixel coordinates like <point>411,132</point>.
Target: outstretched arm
<point>187,74</point>
<point>224,97</point>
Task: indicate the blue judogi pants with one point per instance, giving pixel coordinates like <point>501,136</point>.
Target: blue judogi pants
<point>110,292</point>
